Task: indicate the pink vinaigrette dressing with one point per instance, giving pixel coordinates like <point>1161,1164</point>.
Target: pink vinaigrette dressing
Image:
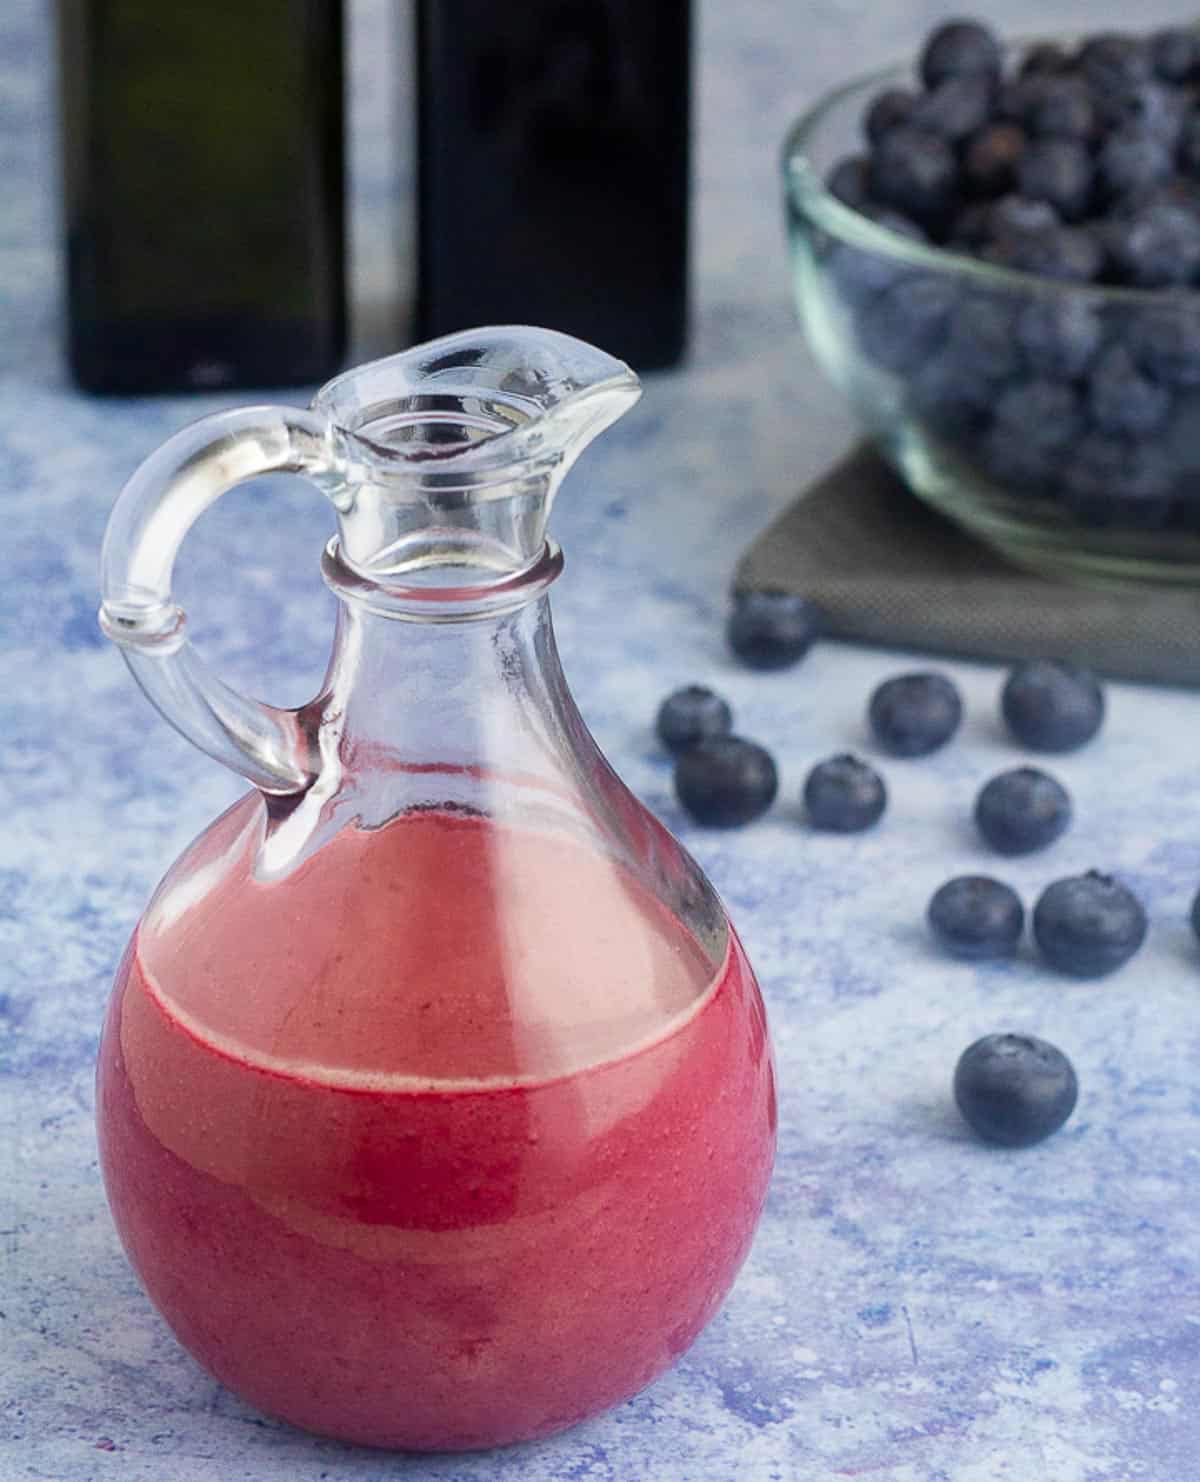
<point>451,1137</point>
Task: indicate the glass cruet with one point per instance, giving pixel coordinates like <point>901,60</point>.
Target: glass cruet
<point>435,1097</point>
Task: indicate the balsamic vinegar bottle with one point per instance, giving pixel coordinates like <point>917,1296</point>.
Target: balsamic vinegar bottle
<point>553,148</point>
<point>203,176</point>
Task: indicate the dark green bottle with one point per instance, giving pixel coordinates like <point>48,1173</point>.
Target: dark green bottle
<point>203,178</point>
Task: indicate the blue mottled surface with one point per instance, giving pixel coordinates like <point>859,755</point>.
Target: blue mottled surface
<point>917,1308</point>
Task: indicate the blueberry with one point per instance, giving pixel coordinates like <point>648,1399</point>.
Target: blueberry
<point>1036,422</point>
<point>981,343</point>
<point>772,630</point>
<point>960,48</point>
<point>1188,507</point>
<point>1116,481</point>
<point>1175,53</point>
<point>1017,96</point>
<point>844,795</point>
<point>848,182</point>
<point>992,157</point>
<point>1150,106</point>
<point>690,715</point>
<point>1050,705</point>
<point>1043,60</point>
<point>971,227</point>
<point>861,273</point>
<point>1189,145</point>
<point>1176,190</point>
<point>1059,106</point>
<point>726,781</point>
<point>1021,811</point>
<point>1131,158</point>
<point>1043,414</point>
<point>1017,213</point>
<point>1123,400</point>
<point>1058,334</point>
<point>1068,254</point>
<point>949,400</point>
<point>1014,1089</point>
<point>955,108</point>
<point>976,917</point>
<point>1111,63</point>
<point>915,171</point>
<point>1058,171</point>
<point>888,110</point>
<point>1018,466</point>
<point>1088,925</point>
<point>914,714</point>
<point>1155,246</point>
<point>1166,343</point>
<point>1195,917</point>
<point>907,321</point>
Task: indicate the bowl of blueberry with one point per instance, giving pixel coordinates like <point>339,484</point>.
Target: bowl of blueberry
<point>996,257</point>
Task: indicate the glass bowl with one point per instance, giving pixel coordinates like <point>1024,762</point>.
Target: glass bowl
<point>983,385</point>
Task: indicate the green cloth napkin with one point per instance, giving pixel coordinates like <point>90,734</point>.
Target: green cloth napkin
<point>888,570</point>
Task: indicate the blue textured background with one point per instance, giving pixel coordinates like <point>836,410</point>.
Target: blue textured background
<point>917,1308</point>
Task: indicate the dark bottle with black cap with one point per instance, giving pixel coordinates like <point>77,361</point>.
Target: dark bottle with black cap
<point>203,177</point>
<point>553,148</point>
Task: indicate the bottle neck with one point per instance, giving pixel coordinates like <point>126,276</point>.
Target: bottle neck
<point>465,711</point>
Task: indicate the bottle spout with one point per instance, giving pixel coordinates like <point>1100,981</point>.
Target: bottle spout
<point>454,450</point>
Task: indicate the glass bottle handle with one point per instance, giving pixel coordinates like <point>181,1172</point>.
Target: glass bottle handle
<point>153,513</point>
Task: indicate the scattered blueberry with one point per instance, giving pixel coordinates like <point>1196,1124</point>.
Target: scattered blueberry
<point>992,158</point>
<point>772,630</point>
<point>726,781</point>
<point>1058,171</point>
<point>1123,400</point>
<point>914,714</point>
<point>888,110</point>
<point>915,171</point>
<point>1021,811</point>
<point>1014,1089</point>
<point>1059,334</point>
<point>1050,705</point>
<point>1088,925</point>
<point>1196,914</point>
<point>690,715</point>
<point>960,48</point>
<point>844,795</point>
<point>976,917</point>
